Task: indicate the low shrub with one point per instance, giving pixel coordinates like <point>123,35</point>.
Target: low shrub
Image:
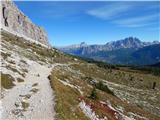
<point>93,94</point>
<point>101,86</point>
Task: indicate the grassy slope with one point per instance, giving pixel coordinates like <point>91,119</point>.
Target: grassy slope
<point>67,97</point>
<point>66,102</point>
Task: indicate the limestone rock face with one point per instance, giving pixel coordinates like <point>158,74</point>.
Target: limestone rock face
<point>13,20</point>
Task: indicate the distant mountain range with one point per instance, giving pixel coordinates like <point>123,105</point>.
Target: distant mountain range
<point>128,51</point>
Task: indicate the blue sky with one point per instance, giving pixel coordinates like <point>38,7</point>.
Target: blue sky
<point>94,22</point>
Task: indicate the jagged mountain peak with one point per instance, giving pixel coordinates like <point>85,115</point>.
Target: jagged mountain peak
<point>82,44</point>
<point>130,39</point>
<point>128,42</point>
<point>156,42</point>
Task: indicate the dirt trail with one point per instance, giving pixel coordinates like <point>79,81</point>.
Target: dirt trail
<point>32,99</point>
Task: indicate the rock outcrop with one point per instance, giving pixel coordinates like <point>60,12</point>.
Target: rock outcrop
<point>15,22</point>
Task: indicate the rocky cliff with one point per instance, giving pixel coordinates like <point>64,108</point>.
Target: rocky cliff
<point>15,22</point>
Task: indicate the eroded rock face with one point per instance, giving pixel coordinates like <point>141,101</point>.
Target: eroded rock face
<point>14,20</point>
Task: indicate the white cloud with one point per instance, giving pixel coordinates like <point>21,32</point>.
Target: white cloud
<point>110,11</point>
<point>123,14</point>
<point>139,21</point>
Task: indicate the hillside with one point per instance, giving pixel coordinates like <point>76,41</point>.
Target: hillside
<point>44,83</point>
<point>128,51</point>
<point>150,53</point>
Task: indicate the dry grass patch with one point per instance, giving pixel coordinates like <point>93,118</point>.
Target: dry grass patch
<point>20,80</point>
<point>5,55</point>
<point>15,70</point>
<point>66,101</point>
<point>25,70</point>
<point>23,61</point>
<point>25,105</point>
<point>7,81</point>
<point>35,84</point>
<point>34,90</point>
<point>27,96</point>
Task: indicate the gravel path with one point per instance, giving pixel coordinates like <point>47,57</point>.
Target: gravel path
<point>32,99</point>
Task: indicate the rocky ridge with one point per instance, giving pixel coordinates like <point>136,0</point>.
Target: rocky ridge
<point>14,21</point>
